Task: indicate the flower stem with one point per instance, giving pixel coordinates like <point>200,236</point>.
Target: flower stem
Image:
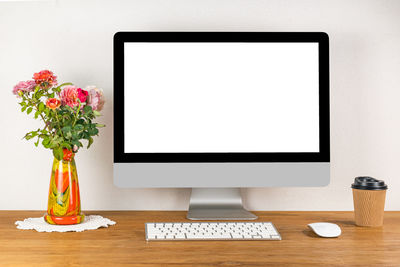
<point>59,124</point>
<point>41,116</point>
<point>77,112</point>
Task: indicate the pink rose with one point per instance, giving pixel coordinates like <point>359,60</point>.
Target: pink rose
<point>95,97</point>
<point>75,148</point>
<point>69,96</point>
<point>22,86</point>
<point>82,95</point>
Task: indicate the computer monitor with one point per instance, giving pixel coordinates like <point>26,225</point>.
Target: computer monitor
<point>220,111</point>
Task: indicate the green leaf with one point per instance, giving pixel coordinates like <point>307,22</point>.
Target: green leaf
<point>78,127</point>
<point>90,142</point>
<point>74,135</point>
<point>93,131</point>
<point>66,129</point>
<point>96,113</point>
<point>23,109</point>
<point>29,110</point>
<point>68,135</point>
<point>41,107</point>
<point>87,109</point>
<point>30,135</point>
<point>58,153</point>
<point>38,95</point>
<point>51,145</point>
<point>85,135</point>
<point>66,145</point>
<point>45,141</point>
<point>54,142</point>
<point>37,142</point>
<point>37,113</point>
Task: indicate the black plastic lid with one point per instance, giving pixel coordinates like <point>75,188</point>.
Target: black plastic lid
<point>368,183</point>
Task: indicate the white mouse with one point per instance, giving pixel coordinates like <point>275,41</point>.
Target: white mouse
<point>324,229</point>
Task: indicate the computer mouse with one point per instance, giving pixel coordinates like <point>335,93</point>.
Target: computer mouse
<point>324,229</point>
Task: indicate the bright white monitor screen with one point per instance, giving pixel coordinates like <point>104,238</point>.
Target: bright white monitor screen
<point>221,97</point>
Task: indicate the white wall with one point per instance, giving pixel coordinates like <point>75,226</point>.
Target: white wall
<point>74,39</point>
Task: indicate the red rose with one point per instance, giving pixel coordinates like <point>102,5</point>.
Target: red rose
<point>45,78</point>
<point>82,95</point>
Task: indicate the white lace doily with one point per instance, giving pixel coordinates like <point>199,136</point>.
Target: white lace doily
<point>91,222</point>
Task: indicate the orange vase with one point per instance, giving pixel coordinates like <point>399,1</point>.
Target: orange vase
<point>64,206</point>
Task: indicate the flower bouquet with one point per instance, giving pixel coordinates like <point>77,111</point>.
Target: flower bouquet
<point>68,114</point>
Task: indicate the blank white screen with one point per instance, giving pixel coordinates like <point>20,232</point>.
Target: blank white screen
<point>221,97</point>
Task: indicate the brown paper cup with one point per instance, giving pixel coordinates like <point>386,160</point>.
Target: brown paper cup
<point>369,206</point>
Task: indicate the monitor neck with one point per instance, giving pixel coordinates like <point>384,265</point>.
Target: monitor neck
<point>217,204</point>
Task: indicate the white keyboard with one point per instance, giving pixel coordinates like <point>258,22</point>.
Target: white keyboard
<point>211,231</point>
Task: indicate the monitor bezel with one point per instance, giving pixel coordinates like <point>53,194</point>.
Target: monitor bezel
<point>324,145</point>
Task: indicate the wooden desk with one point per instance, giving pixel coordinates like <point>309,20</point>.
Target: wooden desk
<point>124,243</point>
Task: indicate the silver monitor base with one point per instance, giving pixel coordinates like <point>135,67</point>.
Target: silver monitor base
<point>217,204</point>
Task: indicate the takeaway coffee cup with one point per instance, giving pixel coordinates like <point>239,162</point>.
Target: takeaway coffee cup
<point>369,201</point>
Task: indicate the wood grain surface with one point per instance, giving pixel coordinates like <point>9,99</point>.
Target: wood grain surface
<point>124,243</point>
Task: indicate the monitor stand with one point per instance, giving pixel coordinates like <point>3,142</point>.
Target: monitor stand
<point>217,204</point>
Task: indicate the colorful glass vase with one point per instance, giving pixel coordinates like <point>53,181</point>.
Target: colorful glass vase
<point>64,206</point>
